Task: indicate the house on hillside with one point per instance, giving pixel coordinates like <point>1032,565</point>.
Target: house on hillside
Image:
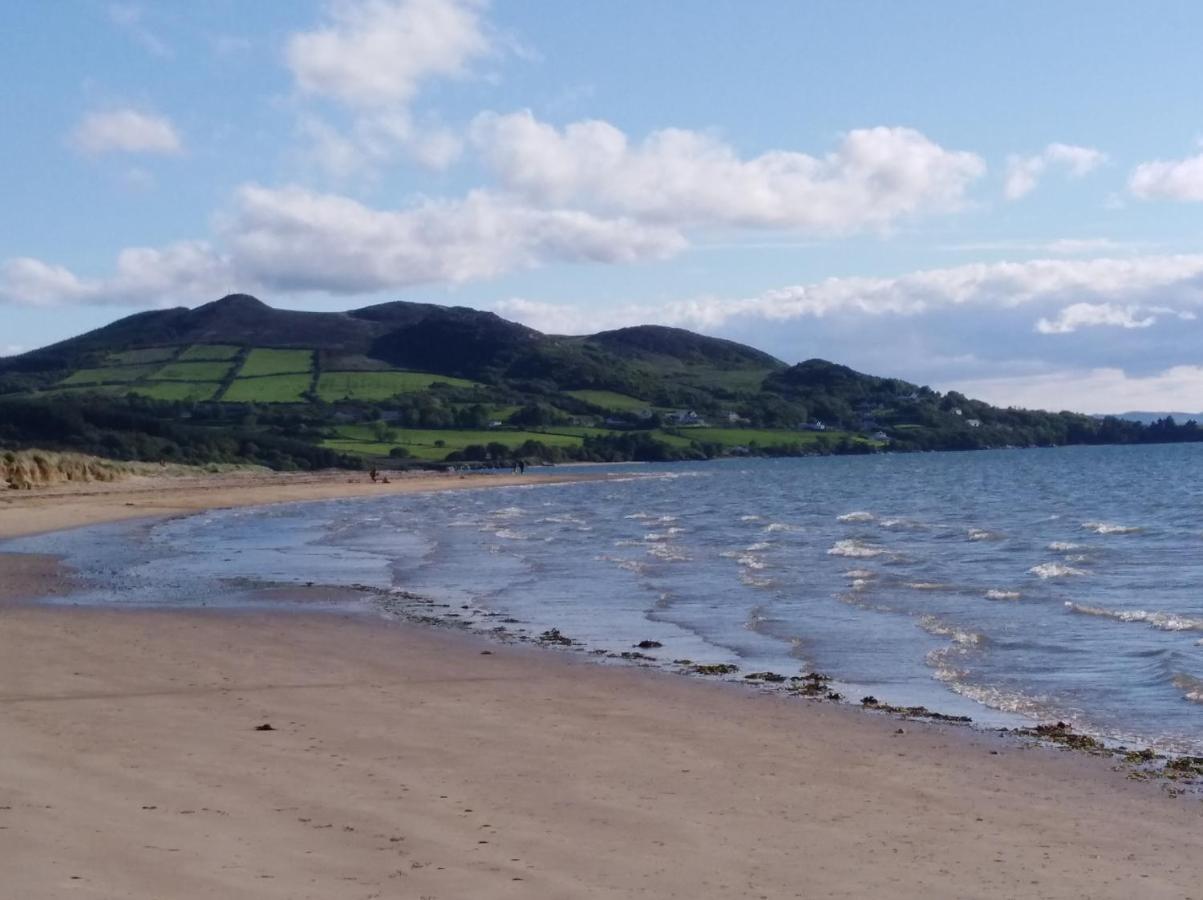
<point>814,426</point>
<point>684,417</point>
<point>974,423</point>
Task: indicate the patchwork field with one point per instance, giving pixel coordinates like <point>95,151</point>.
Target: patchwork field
<point>378,385</point>
<point>193,371</point>
<point>209,351</point>
<point>435,444</point>
<point>261,361</point>
<point>107,375</point>
<point>268,389</point>
<point>611,400</point>
<point>177,390</point>
<point>139,357</point>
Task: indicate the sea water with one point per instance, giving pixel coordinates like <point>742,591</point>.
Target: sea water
<point>1010,586</point>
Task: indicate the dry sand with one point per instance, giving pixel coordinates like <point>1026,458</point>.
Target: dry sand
<point>406,763</point>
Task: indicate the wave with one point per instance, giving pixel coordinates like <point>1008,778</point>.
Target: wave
<point>993,594</point>
<point>962,636</point>
<point>981,534</point>
<point>1163,620</point>
<point>858,516</point>
<point>928,586</point>
<point>1191,687</point>
<point>668,552</point>
<point>750,518</point>
<point>854,550</point>
<point>780,526</point>
<point>759,545</point>
<point>1111,528</point>
<point>1064,546</point>
<point>629,565</point>
<point>511,535</point>
<point>1054,570</point>
<point>860,573</point>
<point>751,562</point>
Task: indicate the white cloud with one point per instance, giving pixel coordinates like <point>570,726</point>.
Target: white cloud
<point>376,53</point>
<point>372,57</point>
<point>874,177</point>
<point>1102,390</point>
<point>183,272</point>
<point>1086,315</point>
<point>1005,285</point>
<point>1179,179</point>
<point>1024,172</point>
<point>296,239</point>
<point>129,18</point>
<point>126,131</point>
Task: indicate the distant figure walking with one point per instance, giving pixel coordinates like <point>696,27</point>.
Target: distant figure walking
<point>373,475</point>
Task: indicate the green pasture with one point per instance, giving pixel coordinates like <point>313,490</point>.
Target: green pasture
<point>193,371</point>
<point>177,390</point>
<point>140,357</point>
<point>262,361</point>
<point>210,352</point>
<point>378,385</point>
<point>107,375</point>
<point>268,389</point>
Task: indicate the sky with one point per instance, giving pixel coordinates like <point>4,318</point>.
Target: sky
<point>1001,198</point>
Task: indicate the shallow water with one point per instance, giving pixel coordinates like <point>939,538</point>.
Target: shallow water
<point>1005,585</point>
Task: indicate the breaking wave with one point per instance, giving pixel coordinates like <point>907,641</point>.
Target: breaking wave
<point>1191,687</point>
<point>1054,570</point>
<point>1002,595</point>
<point>1110,528</point>
<point>1163,620</point>
<point>859,516</point>
<point>854,550</point>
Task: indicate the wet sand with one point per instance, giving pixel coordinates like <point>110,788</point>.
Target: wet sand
<point>409,762</point>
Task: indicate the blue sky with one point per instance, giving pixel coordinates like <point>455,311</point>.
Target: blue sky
<point>1002,198</point>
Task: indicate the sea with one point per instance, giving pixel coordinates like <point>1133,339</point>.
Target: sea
<point>1011,586</point>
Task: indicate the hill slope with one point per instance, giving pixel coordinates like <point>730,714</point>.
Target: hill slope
<point>238,380</point>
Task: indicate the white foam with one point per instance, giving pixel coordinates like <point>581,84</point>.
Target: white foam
<point>1110,528</point>
<point>1191,687</point>
<point>759,545</point>
<point>860,573</point>
<point>927,586</point>
<point>993,594</point>
<point>854,550</point>
<point>960,636</point>
<point>1064,546</point>
<point>1054,570</point>
<point>981,534</point>
<point>668,552</point>
<point>749,518</point>
<point>780,526</point>
<point>1163,620</point>
<point>859,516</point>
<point>751,562</point>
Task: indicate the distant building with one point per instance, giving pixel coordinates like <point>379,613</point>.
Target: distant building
<point>814,426</point>
<point>685,417</point>
<point>881,436</point>
<point>974,423</point>
<point>956,411</point>
<point>495,424</point>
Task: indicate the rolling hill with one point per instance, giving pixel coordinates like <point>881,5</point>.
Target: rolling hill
<point>237,379</point>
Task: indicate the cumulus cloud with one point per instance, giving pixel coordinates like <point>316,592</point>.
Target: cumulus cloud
<point>1087,315</point>
<point>1099,390</point>
<point>874,177</point>
<point>296,239</point>
<point>1005,285</point>
<point>1024,172</point>
<point>372,57</point>
<point>1177,179</point>
<point>126,131</point>
<point>183,272</point>
<point>376,53</point>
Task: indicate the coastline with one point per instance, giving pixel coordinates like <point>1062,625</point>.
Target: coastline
<point>409,761</point>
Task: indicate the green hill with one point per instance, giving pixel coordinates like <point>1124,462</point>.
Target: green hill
<point>238,380</point>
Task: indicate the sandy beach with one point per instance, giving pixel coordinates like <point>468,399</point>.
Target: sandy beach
<point>417,763</point>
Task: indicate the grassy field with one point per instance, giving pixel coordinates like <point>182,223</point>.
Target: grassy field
<point>107,374</point>
<point>193,371</point>
<point>420,442</point>
<point>378,385</point>
<point>177,390</point>
<point>209,351</point>
<point>767,437</point>
<point>140,357</point>
<point>611,400</point>
<point>261,361</point>
<point>268,389</point>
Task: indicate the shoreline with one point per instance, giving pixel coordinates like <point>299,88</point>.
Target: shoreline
<point>407,760</point>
